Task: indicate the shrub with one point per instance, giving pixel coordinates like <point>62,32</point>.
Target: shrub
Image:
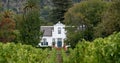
<point>18,53</point>
<point>101,50</point>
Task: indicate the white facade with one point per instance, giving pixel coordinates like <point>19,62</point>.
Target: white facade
<point>56,34</point>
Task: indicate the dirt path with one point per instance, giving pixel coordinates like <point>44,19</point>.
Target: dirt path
<point>59,57</point>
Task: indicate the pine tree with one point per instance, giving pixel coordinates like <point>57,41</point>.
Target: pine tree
<point>30,29</point>
<point>0,3</point>
<point>59,9</point>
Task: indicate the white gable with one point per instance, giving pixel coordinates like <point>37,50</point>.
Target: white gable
<point>59,24</point>
<point>56,33</point>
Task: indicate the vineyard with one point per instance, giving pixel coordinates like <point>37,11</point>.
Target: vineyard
<point>101,50</point>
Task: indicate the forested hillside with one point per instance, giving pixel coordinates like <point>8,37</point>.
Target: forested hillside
<point>18,5</point>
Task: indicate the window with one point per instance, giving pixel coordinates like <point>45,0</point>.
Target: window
<point>59,30</point>
<point>44,42</point>
<point>53,40</point>
<point>41,43</point>
<point>59,39</point>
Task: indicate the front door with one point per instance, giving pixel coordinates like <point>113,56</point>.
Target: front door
<point>59,42</point>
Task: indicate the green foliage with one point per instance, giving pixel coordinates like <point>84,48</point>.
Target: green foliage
<point>59,8</point>
<point>76,1</point>
<point>18,53</point>
<point>0,6</point>
<point>30,26</point>
<point>18,19</point>
<point>85,12</point>
<point>17,36</point>
<point>88,13</point>
<point>101,50</point>
<point>110,21</point>
<point>7,26</point>
<point>52,57</point>
<point>73,39</point>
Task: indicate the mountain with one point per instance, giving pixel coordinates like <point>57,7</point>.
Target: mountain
<point>18,5</point>
<point>15,5</point>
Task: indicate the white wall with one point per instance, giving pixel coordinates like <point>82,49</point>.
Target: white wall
<point>55,35</point>
<point>48,40</point>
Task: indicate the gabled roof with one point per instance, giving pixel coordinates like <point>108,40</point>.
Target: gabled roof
<point>59,24</point>
<point>47,30</point>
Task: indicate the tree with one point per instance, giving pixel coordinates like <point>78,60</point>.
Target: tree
<point>30,29</point>
<point>77,1</point>
<point>86,14</point>
<point>0,6</point>
<point>59,8</point>
<point>7,27</point>
<point>87,11</point>
<point>110,21</point>
<point>0,10</point>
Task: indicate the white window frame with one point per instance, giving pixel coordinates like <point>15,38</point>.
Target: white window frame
<point>59,30</point>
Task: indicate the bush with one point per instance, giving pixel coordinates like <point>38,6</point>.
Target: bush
<point>101,50</point>
<point>18,53</point>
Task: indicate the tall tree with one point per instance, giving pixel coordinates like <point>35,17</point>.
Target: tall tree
<point>77,1</point>
<point>30,29</point>
<point>91,11</point>
<point>110,21</point>
<point>0,3</point>
<point>59,8</point>
<point>7,27</point>
<point>86,14</point>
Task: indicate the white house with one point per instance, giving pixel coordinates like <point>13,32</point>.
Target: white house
<point>53,34</point>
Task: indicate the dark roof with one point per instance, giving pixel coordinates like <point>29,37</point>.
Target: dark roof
<point>47,30</point>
